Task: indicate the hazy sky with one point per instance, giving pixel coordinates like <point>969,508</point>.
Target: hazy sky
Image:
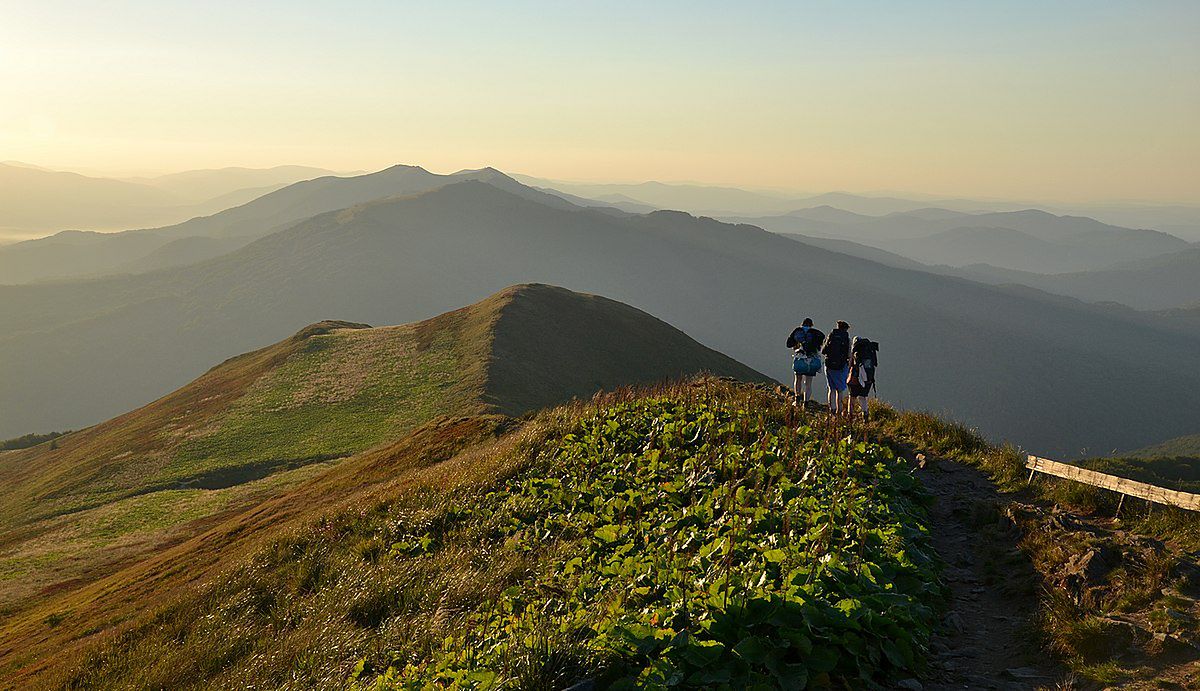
<point>1037,100</point>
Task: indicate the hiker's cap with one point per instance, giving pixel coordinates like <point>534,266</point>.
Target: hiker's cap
<point>807,322</point>
<point>842,325</point>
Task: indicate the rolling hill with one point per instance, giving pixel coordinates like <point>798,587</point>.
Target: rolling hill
<point>202,185</point>
<point>1029,240</point>
<point>77,352</point>
<point>33,199</point>
<point>1186,319</point>
<point>80,506</point>
<point>1180,447</point>
<point>1002,247</point>
<point>1182,220</point>
<point>80,253</point>
<point>39,200</point>
<point>402,555</point>
<point>1163,282</point>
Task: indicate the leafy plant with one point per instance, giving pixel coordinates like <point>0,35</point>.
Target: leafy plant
<point>696,544</point>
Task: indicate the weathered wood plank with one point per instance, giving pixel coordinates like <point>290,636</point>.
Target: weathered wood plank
<point>1133,488</point>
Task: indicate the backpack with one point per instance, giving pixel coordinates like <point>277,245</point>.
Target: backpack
<point>792,341</point>
<point>837,350</point>
<point>866,358</point>
<point>866,353</point>
<point>806,365</point>
<point>806,338</point>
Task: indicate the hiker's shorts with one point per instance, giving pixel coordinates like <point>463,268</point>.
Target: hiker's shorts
<point>837,378</point>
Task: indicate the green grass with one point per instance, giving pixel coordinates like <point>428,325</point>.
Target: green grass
<point>1076,625</point>
<point>131,486</point>
<point>1187,447</point>
<point>344,392</point>
<point>87,518</point>
<point>695,533</point>
<point>71,547</point>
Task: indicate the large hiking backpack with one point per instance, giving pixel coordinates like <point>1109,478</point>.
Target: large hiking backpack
<point>866,353</point>
<point>837,350</point>
<point>866,357</point>
<point>806,339</point>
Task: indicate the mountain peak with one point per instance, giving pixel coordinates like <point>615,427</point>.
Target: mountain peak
<point>349,387</point>
<point>486,170</point>
<point>401,167</point>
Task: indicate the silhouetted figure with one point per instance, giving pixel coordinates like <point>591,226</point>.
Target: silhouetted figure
<point>864,358</point>
<point>805,342</point>
<point>837,366</point>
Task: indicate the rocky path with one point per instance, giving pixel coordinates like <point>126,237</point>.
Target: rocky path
<point>989,640</point>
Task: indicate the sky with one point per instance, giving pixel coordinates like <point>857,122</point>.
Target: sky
<point>1056,101</point>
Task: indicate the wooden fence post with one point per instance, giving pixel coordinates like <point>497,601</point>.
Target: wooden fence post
<point>1124,486</point>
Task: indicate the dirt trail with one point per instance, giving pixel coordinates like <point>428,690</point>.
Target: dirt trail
<point>990,639</point>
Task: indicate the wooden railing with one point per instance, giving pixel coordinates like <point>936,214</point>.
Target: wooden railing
<point>1125,486</point>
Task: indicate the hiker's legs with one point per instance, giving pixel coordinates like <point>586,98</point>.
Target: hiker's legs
<point>862,401</point>
<point>796,385</point>
<point>807,389</point>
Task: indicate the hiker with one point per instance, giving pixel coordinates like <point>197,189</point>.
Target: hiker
<point>864,358</point>
<point>837,366</point>
<point>805,342</point>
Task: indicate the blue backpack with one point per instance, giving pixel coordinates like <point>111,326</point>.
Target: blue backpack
<point>806,365</point>
<point>806,340</point>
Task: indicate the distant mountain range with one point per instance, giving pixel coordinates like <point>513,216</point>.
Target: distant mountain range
<point>201,185</point>
<point>80,254</point>
<point>38,199</point>
<point>714,200</point>
<point>76,352</point>
<point>1029,240</point>
<point>1160,282</point>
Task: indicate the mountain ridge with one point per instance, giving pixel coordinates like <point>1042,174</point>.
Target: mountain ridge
<point>260,422</point>
<point>83,254</point>
<point>730,286</point>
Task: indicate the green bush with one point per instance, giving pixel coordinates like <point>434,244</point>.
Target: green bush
<point>696,544</point>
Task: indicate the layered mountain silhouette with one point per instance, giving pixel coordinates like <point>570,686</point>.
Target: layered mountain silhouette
<point>260,423</point>
<point>80,253</point>
<point>1042,370</point>
<point>1162,282</point>
<point>39,199</point>
<point>34,198</point>
<point>200,185</point>
<point>1178,219</point>
<point>1029,240</point>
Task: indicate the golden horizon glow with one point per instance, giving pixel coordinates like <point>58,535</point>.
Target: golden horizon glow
<point>1009,101</point>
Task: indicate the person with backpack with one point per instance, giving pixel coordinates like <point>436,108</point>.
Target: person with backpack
<point>864,358</point>
<point>837,366</point>
<point>805,342</point>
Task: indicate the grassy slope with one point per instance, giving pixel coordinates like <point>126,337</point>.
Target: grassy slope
<point>381,580</point>
<point>244,430</point>
<point>1179,447</point>
<point>551,345</point>
<point>1147,573</point>
<point>281,412</point>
